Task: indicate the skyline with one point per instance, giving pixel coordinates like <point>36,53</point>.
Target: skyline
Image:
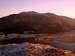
<point>59,7</point>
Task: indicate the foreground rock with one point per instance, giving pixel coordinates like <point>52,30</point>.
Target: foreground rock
<point>28,49</point>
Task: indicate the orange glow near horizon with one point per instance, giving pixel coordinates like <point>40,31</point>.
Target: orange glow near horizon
<point>59,7</point>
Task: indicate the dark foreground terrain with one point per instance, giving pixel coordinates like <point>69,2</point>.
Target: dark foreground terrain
<point>28,49</point>
<point>36,45</point>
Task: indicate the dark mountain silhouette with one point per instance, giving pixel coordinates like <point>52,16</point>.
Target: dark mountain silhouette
<point>36,22</point>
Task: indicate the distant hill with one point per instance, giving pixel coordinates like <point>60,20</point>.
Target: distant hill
<point>36,22</point>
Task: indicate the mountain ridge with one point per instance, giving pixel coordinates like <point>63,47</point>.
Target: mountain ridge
<point>36,22</point>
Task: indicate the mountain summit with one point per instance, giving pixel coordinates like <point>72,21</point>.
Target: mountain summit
<point>36,22</point>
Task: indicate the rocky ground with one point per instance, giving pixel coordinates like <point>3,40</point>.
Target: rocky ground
<point>31,47</point>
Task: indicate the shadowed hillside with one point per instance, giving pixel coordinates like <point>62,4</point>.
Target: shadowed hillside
<point>36,22</point>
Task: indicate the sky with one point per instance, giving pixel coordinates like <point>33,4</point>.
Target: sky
<point>59,7</point>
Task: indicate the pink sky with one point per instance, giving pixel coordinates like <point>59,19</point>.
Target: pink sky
<point>60,7</point>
